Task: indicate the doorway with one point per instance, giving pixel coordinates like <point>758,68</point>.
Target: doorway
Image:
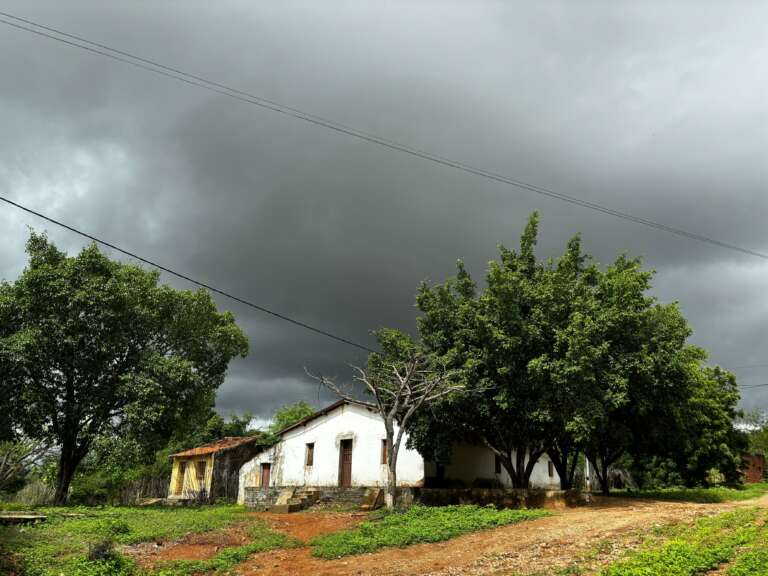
<point>345,463</point>
<point>265,471</point>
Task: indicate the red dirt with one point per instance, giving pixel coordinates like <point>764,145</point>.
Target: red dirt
<point>310,524</point>
<point>191,547</point>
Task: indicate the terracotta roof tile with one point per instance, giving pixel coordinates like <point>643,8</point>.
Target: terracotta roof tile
<point>226,443</point>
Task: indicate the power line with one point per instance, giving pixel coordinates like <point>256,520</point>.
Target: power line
<point>201,82</point>
<point>192,280</point>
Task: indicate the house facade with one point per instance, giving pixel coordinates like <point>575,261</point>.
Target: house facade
<point>211,471</point>
<point>344,446</point>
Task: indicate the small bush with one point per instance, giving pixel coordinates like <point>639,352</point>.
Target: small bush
<point>102,550</point>
<point>418,524</point>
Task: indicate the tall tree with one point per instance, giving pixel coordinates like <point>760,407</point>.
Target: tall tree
<point>92,346</point>
<point>403,382</point>
<point>490,337</point>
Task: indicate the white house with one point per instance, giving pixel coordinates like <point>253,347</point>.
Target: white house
<point>343,445</point>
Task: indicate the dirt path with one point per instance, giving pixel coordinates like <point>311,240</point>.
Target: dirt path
<point>601,531</point>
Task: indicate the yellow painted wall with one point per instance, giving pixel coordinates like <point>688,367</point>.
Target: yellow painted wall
<point>191,487</point>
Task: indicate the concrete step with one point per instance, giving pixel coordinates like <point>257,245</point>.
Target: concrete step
<point>286,508</point>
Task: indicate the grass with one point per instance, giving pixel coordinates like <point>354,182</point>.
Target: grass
<point>61,543</point>
<point>710,543</point>
<point>703,495</point>
<point>418,524</point>
<point>262,539</point>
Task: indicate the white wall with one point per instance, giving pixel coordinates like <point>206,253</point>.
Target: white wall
<point>349,421</point>
<point>470,462</point>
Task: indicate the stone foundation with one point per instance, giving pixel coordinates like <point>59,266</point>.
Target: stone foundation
<point>262,499</point>
<point>257,498</point>
<point>499,497</point>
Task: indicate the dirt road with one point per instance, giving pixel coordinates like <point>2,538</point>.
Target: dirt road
<point>601,532</point>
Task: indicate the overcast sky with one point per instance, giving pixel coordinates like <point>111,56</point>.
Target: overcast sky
<point>657,109</point>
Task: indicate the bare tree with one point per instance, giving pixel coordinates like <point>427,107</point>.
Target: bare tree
<point>16,457</point>
<point>400,389</point>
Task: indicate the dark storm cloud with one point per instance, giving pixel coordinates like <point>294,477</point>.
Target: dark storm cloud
<point>655,109</point>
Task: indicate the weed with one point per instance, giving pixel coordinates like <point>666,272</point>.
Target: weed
<point>710,543</point>
<point>418,524</point>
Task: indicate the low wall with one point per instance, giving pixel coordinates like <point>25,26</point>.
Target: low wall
<point>499,497</point>
<point>261,499</point>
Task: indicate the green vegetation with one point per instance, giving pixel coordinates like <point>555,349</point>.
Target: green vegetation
<point>289,414</point>
<point>418,524</point>
<point>752,563</point>
<point>93,349</point>
<point>698,549</point>
<point>568,358</point>
<point>263,539</point>
<point>61,544</point>
<point>703,495</point>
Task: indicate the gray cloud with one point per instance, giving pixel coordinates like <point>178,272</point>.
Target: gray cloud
<point>656,109</point>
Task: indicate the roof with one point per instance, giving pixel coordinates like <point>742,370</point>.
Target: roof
<point>226,443</point>
<point>328,409</point>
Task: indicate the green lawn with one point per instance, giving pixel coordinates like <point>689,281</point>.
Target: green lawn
<point>704,495</point>
<point>418,524</point>
<point>60,544</point>
<point>711,542</point>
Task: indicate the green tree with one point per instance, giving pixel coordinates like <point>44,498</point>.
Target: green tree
<point>490,337</point>
<point>93,347</point>
<point>289,414</point>
<point>567,358</point>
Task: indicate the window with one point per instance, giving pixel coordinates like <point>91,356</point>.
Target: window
<point>551,468</point>
<point>310,459</point>
<point>384,452</point>
<point>496,464</point>
<point>200,469</point>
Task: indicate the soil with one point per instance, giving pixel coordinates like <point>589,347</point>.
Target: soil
<point>592,535</point>
<point>191,547</point>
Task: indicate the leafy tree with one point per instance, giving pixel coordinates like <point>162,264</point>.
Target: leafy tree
<point>490,337</point>
<point>92,347</point>
<point>567,358</point>
<point>289,414</point>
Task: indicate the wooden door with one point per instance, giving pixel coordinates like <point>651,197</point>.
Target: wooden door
<point>265,471</point>
<point>345,463</point>
<point>182,470</point>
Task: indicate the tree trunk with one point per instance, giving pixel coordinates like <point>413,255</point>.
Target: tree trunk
<point>564,460</point>
<point>601,465</point>
<point>71,456</point>
<point>391,493</point>
<point>520,470</point>
<point>63,479</point>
